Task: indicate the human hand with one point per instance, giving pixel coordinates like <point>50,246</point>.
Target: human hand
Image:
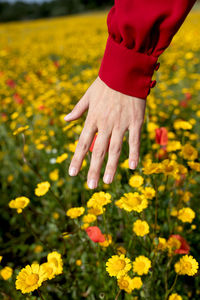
<point>110,113</point>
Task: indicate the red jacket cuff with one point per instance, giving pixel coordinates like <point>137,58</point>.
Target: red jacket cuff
<point>126,70</point>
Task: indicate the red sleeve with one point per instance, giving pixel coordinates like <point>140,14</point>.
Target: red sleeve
<point>138,32</point>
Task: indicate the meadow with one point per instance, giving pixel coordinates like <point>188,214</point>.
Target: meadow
<point>137,238</point>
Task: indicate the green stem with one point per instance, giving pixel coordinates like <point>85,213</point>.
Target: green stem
<point>117,296</point>
<point>172,287</point>
<point>40,294</point>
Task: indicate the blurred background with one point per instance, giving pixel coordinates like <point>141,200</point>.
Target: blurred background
<point>12,10</point>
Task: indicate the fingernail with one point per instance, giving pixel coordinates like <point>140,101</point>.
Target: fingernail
<point>107,179</point>
<point>66,118</point>
<point>72,171</point>
<point>132,164</point>
<point>92,184</point>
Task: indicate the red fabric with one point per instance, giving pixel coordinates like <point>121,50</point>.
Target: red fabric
<point>138,32</point>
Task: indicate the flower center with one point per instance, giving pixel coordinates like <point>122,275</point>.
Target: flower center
<point>120,264</point>
<point>32,279</point>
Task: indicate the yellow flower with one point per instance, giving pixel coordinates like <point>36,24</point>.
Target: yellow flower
<point>187,265</point>
<point>140,228</point>
<point>118,265</point>
<point>20,130</point>
<point>194,165</point>
<point>99,199</point>
<point>175,296</point>
<point>1,257</point>
<point>42,188</point>
<point>136,181</point>
<point>141,265</point>
<point>173,146</point>
<point>180,124</point>
<point>133,202</point>
<point>173,244</point>
<point>125,164</point>
<point>189,152</point>
<point>54,175</point>
<point>38,249</point>
<point>148,192</point>
<point>162,244</point>
<point>89,218</point>
<point>6,273</point>
<point>30,278</point>
<point>151,168</point>
<point>19,203</point>
<point>61,158</point>
<point>65,235</point>
<point>186,214</point>
<point>54,259</point>
<point>75,212</point>
<point>129,284</point>
<point>78,262</point>
<point>169,167</point>
<point>107,242</point>
<point>121,250</point>
<point>96,211</point>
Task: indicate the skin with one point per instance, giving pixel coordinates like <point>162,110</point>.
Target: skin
<point>111,114</point>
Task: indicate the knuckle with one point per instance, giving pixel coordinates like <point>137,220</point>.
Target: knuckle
<point>99,153</point>
<point>115,149</point>
<point>83,147</point>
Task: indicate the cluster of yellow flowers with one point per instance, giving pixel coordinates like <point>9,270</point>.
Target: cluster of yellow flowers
<point>119,265</point>
<point>31,277</point>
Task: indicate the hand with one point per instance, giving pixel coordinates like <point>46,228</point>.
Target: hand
<point>110,113</point>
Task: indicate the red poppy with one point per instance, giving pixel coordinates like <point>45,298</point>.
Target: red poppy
<point>161,136</point>
<point>188,96</point>
<point>18,99</point>
<point>56,64</point>
<point>184,103</point>
<point>184,248</point>
<point>11,83</point>
<point>95,234</point>
<point>92,145</point>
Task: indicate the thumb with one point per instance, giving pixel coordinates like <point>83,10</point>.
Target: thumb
<point>78,109</point>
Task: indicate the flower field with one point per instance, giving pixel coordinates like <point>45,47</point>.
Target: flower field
<point>137,238</point>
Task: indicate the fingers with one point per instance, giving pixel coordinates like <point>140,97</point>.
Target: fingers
<point>134,146</point>
<point>82,148</point>
<point>98,155</point>
<point>78,109</point>
<point>113,155</point>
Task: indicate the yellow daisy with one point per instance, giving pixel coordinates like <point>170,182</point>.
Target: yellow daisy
<point>186,214</point>
<point>129,284</point>
<point>42,188</point>
<point>19,203</point>
<point>99,199</point>
<point>189,152</point>
<point>75,212</point>
<point>175,296</point>
<point>141,265</point>
<point>187,265</point>
<point>141,228</point>
<point>136,181</point>
<point>118,265</point>
<point>133,202</point>
<point>30,278</point>
<point>55,261</point>
<point>6,273</point>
